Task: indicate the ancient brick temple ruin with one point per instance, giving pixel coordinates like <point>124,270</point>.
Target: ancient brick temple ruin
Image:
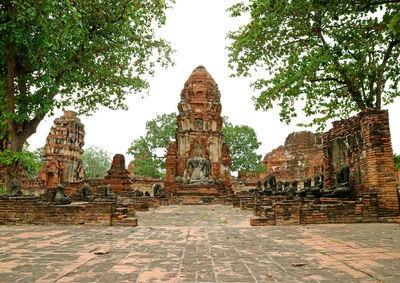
<point>363,143</point>
<point>357,183</point>
<point>118,177</point>
<point>299,157</point>
<point>62,152</point>
<point>198,162</point>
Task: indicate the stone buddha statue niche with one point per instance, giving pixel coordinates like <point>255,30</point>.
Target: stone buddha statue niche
<point>197,168</point>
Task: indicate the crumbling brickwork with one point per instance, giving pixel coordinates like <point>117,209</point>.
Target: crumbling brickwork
<point>199,124</point>
<point>37,210</point>
<point>363,143</point>
<point>118,177</point>
<point>276,211</point>
<point>301,156</point>
<point>62,152</point>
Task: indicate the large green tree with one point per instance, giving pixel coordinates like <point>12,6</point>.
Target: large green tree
<point>77,53</point>
<point>329,57</point>
<point>96,162</point>
<point>150,151</point>
<point>33,162</point>
<point>243,143</point>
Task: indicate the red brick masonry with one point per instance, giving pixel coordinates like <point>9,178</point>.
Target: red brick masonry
<point>36,210</point>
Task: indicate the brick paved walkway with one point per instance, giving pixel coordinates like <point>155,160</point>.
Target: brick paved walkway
<point>200,244</point>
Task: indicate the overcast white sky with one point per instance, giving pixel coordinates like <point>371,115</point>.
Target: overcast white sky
<point>197,30</point>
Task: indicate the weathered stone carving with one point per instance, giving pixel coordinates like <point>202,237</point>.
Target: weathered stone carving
<point>15,188</point>
<point>197,168</point>
<point>307,187</point>
<point>317,189</point>
<point>138,193</point>
<point>258,190</point>
<point>342,188</point>
<point>60,197</point>
<point>198,162</point>
<point>109,193</point>
<point>290,190</point>
<point>146,194</point>
<point>158,191</point>
<point>87,193</point>
<point>62,152</point>
<point>270,185</point>
<point>286,185</point>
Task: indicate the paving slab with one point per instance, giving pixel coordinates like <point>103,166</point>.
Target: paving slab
<point>211,243</point>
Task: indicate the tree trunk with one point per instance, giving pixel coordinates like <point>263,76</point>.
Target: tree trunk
<point>12,172</point>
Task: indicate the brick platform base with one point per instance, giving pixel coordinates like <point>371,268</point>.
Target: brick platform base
<point>35,210</point>
<point>276,211</point>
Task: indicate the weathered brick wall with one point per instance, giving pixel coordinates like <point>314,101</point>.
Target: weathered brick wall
<point>363,143</point>
<point>273,210</point>
<point>364,209</point>
<point>145,184</point>
<point>34,210</point>
<point>243,185</point>
<point>301,156</point>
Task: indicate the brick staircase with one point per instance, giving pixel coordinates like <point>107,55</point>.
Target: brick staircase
<point>122,217</point>
<point>266,216</point>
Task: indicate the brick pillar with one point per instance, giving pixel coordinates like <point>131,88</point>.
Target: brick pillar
<point>379,155</point>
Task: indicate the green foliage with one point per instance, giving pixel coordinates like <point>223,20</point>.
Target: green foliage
<point>96,162</point>
<point>35,162</point>
<point>79,54</point>
<point>31,162</point>
<point>396,158</point>
<point>243,143</point>
<point>90,53</point>
<point>150,151</point>
<point>149,167</point>
<point>261,168</point>
<point>329,57</point>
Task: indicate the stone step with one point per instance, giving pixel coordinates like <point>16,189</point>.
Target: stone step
<point>126,222</point>
<point>122,209</point>
<point>192,202</point>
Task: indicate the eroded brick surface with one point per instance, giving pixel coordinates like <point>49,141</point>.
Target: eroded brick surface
<point>301,156</point>
<point>199,122</point>
<point>118,177</point>
<point>363,143</point>
<point>62,152</point>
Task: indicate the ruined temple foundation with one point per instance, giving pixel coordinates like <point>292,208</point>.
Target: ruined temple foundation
<point>198,162</point>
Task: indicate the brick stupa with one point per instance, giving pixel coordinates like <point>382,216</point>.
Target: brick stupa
<point>118,177</point>
<point>63,150</point>
<point>198,162</point>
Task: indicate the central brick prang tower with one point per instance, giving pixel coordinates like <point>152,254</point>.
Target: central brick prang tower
<point>198,162</point>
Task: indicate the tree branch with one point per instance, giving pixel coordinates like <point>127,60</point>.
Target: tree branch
<point>380,82</point>
<point>328,79</point>
<point>356,95</point>
<point>122,13</point>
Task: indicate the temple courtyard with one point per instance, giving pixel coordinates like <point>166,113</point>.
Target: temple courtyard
<point>200,243</point>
